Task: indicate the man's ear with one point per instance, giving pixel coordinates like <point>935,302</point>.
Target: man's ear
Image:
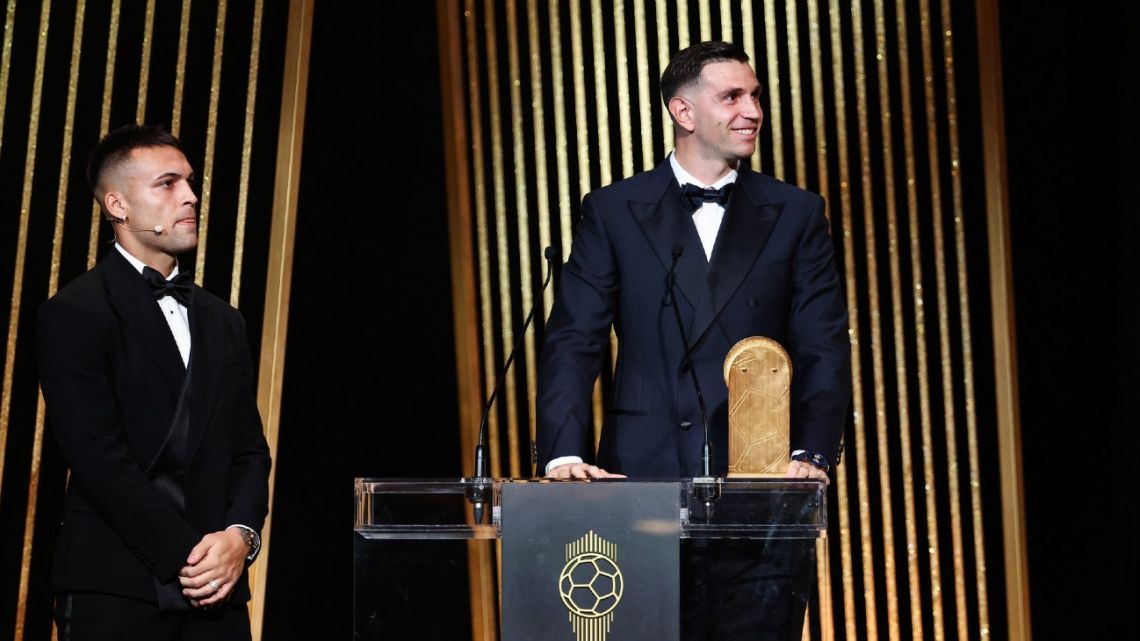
<point>115,205</point>
<point>682,112</point>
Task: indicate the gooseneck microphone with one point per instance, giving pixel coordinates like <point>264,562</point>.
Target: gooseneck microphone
<point>477,492</point>
<point>122,222</point>
<point>686,361</point>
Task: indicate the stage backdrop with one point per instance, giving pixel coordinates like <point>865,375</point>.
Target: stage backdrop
<point>891,111</point>
<point>229,80</point>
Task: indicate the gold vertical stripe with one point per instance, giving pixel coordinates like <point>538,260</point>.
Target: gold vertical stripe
<point>705,12</point>
<point>1005,349</point>
<point>644,100</point>
<point>901,385</point>
<point>522,218</point>
<point>144,65</point>
<point>876,330</point>
<point>621,59</point>
<point>682,24</point>
<point>560,158</point>
<point>180,68</point>
<point>662,62</point>
<point>580,127</point>
<point>506,316</point>
<point>923,367</point>
<point>53,283</point>
<point>211,138</point>
<point>104,120</point>
<point>465,312</point>
<point>279,268</point>
<point>601,101</point>
<point>10,351</point>
<point>998,235</point>
<point>773,83</point>
<point>749,36</point>
<point>823,566</point>
<point>17,289</point>
<point>246,152</point>
<point>481,230</point>
<point>797,96</point>
<point>542,198</point>
<point>726,20</point>
<point>849,270</point>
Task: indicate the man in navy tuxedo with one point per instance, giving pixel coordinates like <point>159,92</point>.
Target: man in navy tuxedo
<point>752,257</point>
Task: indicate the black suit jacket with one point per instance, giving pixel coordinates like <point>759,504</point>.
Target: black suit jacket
<point>772,274</point>
<point>111,376</point>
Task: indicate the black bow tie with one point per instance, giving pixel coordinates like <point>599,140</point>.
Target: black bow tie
<point>181,287</point>
<point>697,196</point>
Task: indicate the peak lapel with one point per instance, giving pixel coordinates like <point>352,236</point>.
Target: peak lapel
<point>667,224</point>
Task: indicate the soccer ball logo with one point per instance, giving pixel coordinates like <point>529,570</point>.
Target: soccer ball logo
<point>591,585</point>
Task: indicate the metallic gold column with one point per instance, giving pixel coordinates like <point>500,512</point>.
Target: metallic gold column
<point>871,612</point>
<point>601,102</point>
<point>901,386</point>
<point>682,24</point>
<point>279,271</point>
<point>506,315</point>
<point>663,54</point>
<point>104,120</point>
<point>772,81</point>
<point>621,62</point>
<point>797,96</point>
<point>246,151</point>
<point>849,271</point>
<point>14,322</point>
<point>522,218</point>
<point>180,68</point>
<point>542,199</point>
<point>644,100</point>
<point>560,158</point>
<point>211,138</point>
<point>705,13</point>
<point>749,37</point>
<point>144,66</point>
<point>726,20</point>
<point>10,348</point>
<point>916,288</point>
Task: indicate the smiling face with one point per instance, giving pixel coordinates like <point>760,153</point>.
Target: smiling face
<point>718,118</point>
<point>153,188</point>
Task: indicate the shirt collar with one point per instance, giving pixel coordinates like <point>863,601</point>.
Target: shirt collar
<point>685,177</point>
<point>138,264</point>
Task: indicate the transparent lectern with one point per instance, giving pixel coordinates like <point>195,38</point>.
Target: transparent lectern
<point>580,561</point>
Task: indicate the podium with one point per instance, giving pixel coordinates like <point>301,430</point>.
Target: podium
<point>580,560</point>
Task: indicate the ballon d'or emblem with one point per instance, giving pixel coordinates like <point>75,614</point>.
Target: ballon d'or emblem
<point>591,586</point>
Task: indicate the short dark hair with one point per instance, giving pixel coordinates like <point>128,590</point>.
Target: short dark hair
<point>685,67</point>
<point>116,147</point>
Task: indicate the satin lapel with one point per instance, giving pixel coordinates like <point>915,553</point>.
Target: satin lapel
<point>207,346</point>
<point>666,223</point>
<point>134,302</point>
<point>747,225</point>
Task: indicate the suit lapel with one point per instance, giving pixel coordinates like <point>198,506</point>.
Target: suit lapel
<point>133,301</point>
<point>747,225</point>
<point>206,354</point>
<point>667,224</point>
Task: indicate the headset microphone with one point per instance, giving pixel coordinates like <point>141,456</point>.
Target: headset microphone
<point>122,222</point>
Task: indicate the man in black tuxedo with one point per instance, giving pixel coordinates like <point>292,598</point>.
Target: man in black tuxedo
<point>751,256</point>
<point>149,387</point>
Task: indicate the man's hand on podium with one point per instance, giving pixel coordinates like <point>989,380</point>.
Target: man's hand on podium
<point>581,471</point>
<point>805,470</point>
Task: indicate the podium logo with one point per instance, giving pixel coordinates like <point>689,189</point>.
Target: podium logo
<point>591,586</point>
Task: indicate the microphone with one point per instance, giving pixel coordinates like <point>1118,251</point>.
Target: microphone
<point>707,494</point>
<point>477,493</point>
<point>122,222</point>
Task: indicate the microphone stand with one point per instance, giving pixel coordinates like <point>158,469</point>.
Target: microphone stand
<point>707,488</point>
<point>479,486</point>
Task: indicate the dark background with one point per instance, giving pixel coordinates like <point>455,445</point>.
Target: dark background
<point>357,403</point>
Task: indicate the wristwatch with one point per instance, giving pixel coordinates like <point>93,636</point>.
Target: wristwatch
<point>252,541</point>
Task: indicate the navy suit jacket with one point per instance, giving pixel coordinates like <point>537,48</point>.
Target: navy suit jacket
<point>111,376</point>
<point>772,274</point>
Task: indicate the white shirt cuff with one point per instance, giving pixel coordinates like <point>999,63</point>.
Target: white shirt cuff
<point>561,460</point>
